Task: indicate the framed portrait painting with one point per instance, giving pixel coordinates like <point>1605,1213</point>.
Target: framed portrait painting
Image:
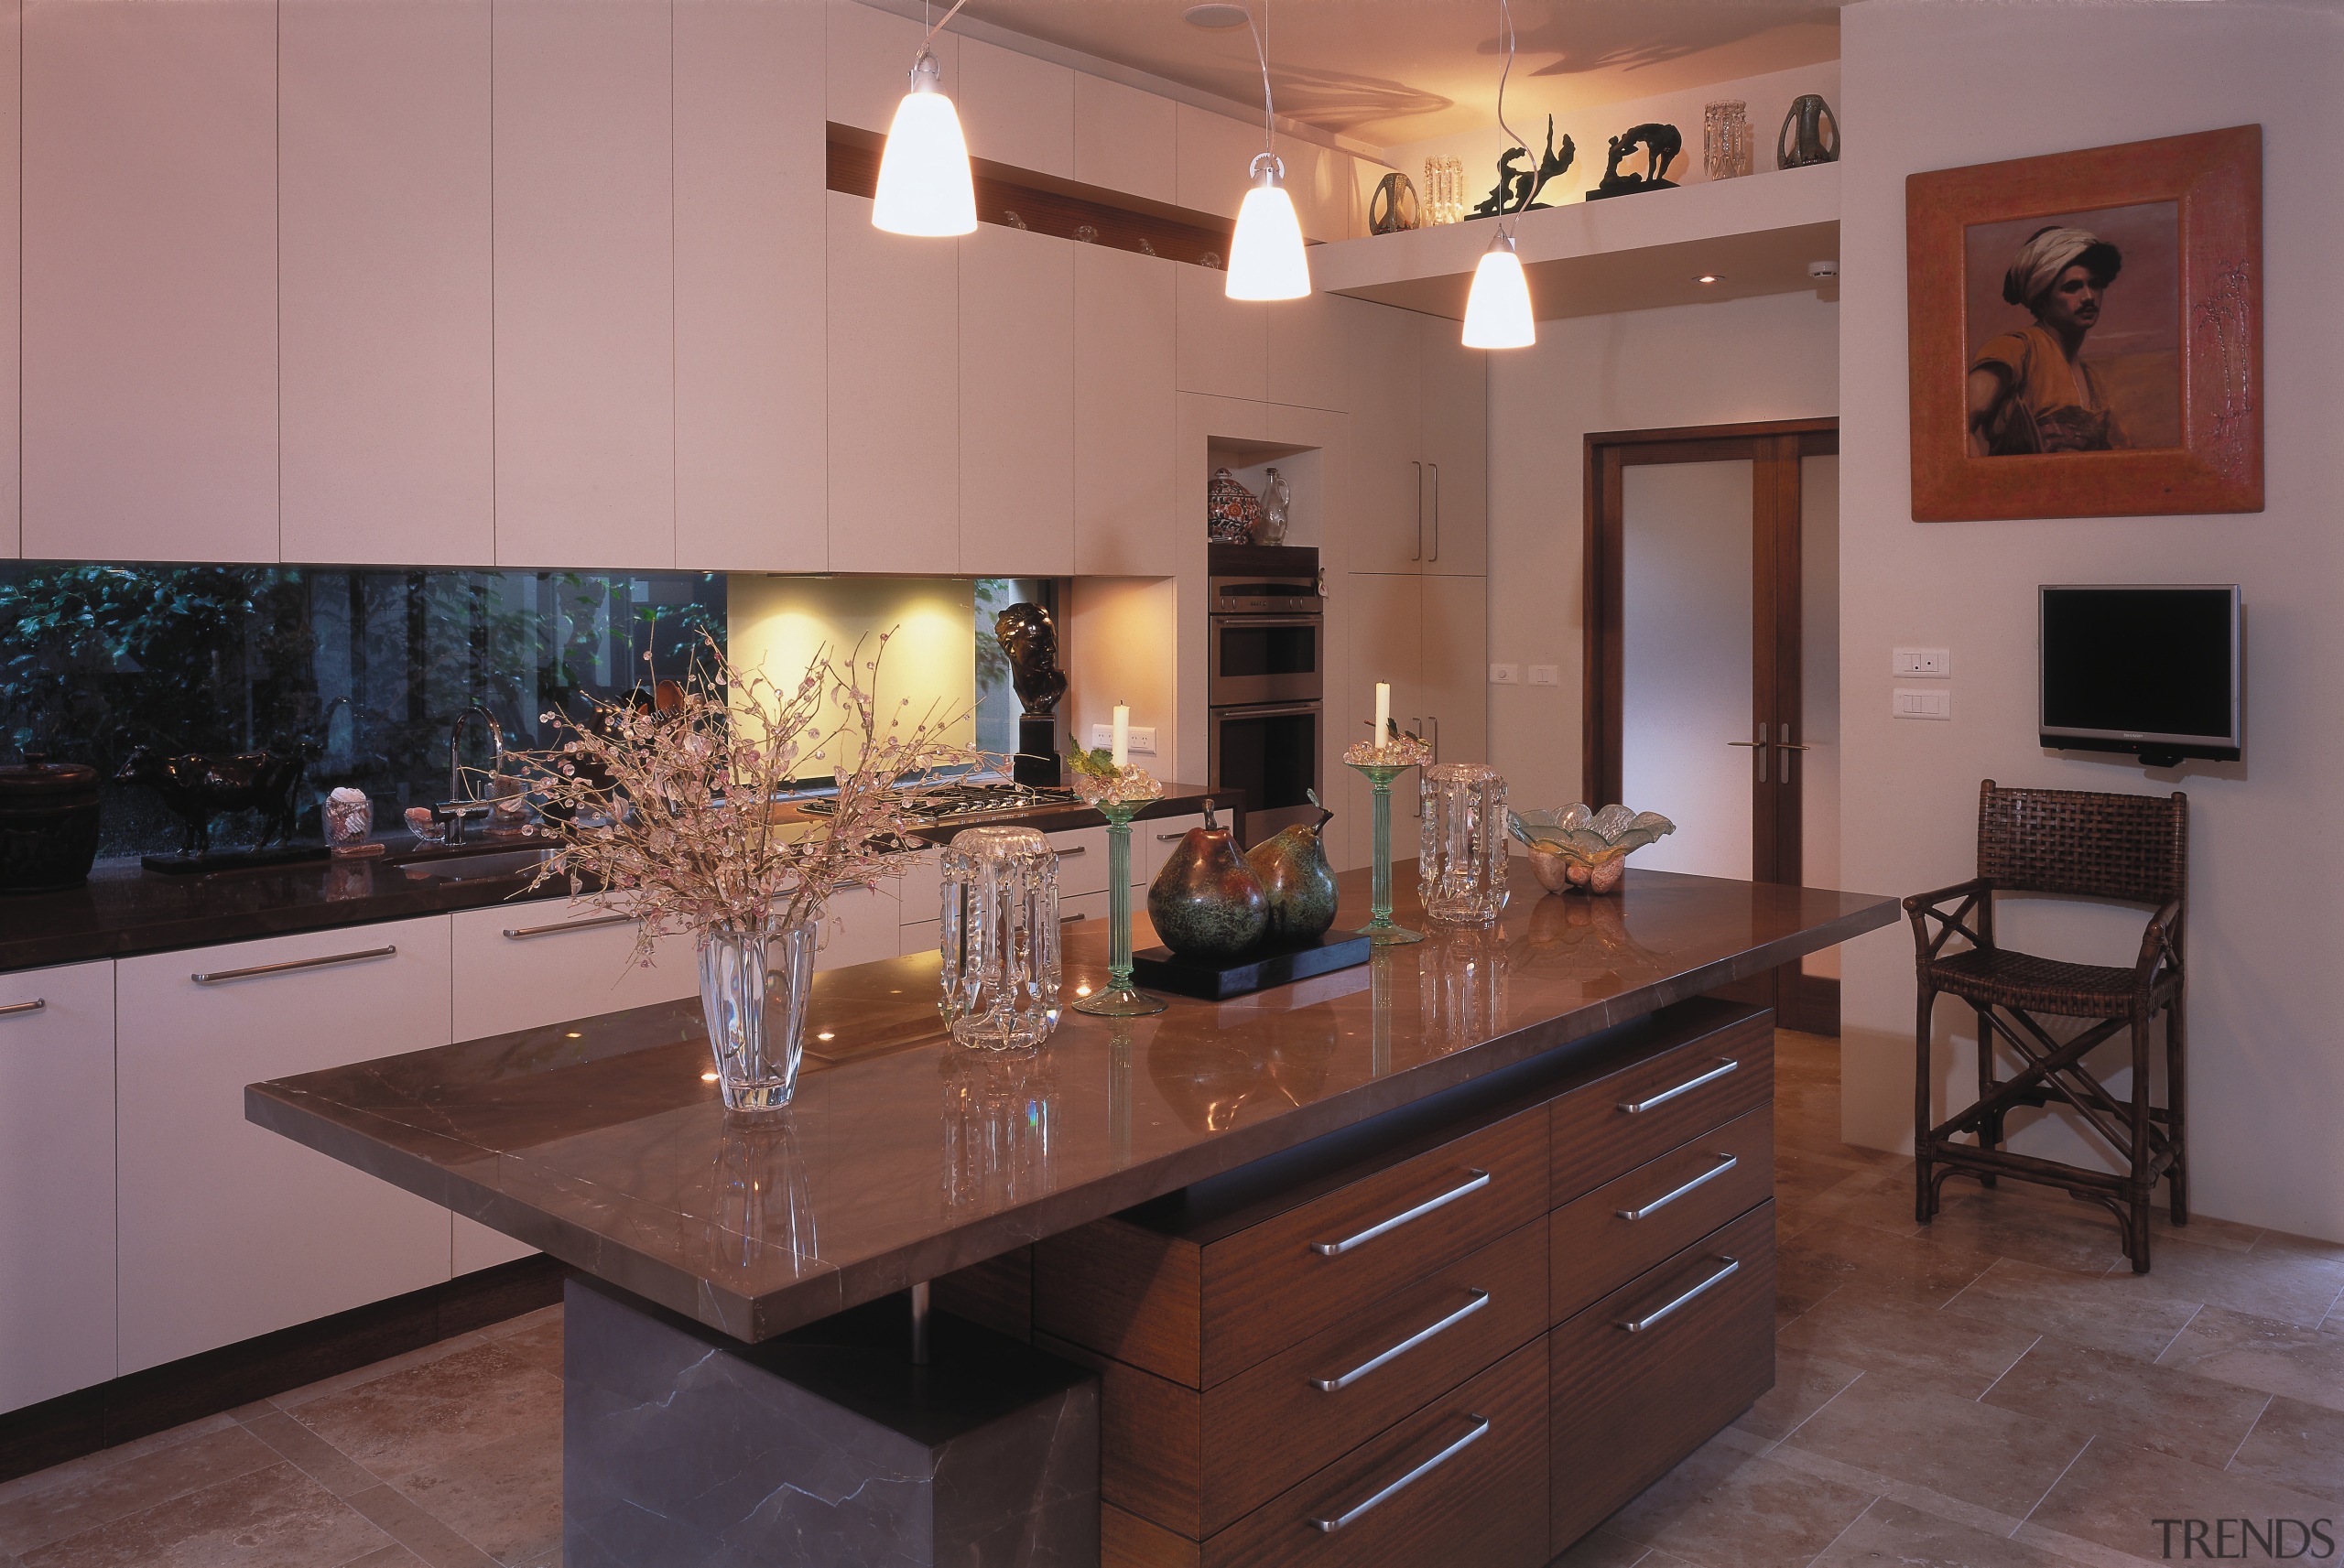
<point>2087,332</point>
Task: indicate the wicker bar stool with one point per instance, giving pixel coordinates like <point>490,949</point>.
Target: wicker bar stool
<point>2127,847</point>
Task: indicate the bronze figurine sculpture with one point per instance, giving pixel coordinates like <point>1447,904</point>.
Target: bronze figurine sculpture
<point>1659,144</point>
<point>1517,189</point>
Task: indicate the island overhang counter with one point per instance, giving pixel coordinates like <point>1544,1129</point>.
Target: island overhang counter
<point>1151,1158</point>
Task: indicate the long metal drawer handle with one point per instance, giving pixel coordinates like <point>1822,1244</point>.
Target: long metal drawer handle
<point>1638,1325</point>
<point>1725,1163</point>
<point>1070,919</point>
<point>1170,838</point>
<point>1070,854</point>
<point>1331,1385</point>
<point>218,975</point>
<point>1725,1065</point>
<point>523,933</point>
<point>35,1005</point>
<point>1391,1490</point>
<point>1336,1248</point>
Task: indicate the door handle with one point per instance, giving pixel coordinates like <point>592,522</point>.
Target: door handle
<point>523,933</point>
<point>1642,1321</point>
<point>1336,1248</point>
<point>1479,1299</point>
<point>1419,555</point>
<point>1725,1163</point>
<point>1070,854</point>
<point>1331,1523</point>
<point>1436,511</point>
<point>18,1009</point>
<point>218,975</point>
<point>1638,1106</point>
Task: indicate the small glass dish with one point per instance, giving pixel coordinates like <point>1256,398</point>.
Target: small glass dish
<point>427,827</point>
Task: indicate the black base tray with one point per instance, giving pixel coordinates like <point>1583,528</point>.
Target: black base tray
<point>1218,979</point>
<point>232,859</point>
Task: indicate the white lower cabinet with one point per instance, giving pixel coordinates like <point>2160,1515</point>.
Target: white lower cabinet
<point>1152,841</point>
<point>1083,906</point>
<point>1083,862</point>
<point>227,1230</point>
<point>861,925</point>
<point>57,1194</point>
<point>524,966</point>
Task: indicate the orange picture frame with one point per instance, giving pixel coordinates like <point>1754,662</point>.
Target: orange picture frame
<point>2214,178</point>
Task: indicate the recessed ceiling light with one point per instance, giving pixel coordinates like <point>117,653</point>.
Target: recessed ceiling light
<point>1707,277</point>
<point>1216,17</point>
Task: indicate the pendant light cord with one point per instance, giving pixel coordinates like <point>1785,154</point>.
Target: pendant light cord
<point>1506,37</point>
<point>929,36</point>
<point>1262,54</point>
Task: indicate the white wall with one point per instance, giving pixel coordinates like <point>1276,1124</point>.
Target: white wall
<point>1774,358</point>
<point>1937,84</point>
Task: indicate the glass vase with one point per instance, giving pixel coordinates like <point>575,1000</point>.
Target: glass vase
<point>1462,864</point>
<point>1381,929</point>
<point>752,990</point>
<point>999,938</point>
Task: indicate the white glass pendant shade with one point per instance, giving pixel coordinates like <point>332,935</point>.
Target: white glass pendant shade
<point>924,185</point>
<point>1497,311</point>
<point>1265,255</point>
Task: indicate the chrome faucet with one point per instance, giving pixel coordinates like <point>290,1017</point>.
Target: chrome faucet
<point>461,805</point>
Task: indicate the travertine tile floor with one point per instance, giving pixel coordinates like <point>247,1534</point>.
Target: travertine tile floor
<point>1998,1390</point>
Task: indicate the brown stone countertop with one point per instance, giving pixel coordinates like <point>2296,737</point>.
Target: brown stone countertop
<point>602,1142</point>
<point>126,909</point>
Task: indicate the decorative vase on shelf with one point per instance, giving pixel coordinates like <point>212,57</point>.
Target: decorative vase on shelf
<point>1232,511</point>
<point>752,990</point>
<point>1277,498</point>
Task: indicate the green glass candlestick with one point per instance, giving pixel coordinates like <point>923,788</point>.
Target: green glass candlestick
<point>1381,929</point>
<point>1120,999</point>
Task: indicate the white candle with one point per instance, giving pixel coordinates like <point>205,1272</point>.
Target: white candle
<point>1123,734</point>
<point>1383,710</point>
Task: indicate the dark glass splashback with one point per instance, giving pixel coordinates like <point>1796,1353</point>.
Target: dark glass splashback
<point>373,665</point>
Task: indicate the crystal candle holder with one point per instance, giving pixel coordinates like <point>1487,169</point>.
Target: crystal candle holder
<point>1381,929</point>
<point>1119,796</point>
<point>999,937</point>
<point>1462,864</point>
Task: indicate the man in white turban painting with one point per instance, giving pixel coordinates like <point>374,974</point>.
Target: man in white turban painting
<point>2030,391</point>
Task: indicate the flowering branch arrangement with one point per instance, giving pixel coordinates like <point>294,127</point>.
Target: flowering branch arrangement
<point>671,810</point>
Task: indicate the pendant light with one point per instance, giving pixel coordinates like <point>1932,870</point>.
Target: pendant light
<point>1497,310</point>
<point>1265,255</point>
<point>924,186</point>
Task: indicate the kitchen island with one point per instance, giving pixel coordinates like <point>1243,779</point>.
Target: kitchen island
<point>1229,1200</point>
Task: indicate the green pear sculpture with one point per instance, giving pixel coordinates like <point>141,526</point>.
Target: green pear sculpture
<point>1206,903</point>
<point>1291,865</point>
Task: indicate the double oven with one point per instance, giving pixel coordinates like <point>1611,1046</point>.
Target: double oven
<point>1265,684</point>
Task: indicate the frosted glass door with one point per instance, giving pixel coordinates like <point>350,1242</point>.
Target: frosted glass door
<point>1685,662</point>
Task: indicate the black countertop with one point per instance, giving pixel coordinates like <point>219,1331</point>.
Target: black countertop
<point>126,910</point>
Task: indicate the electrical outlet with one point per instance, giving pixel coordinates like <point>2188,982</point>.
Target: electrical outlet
<point>1921,663</point>
<point>1923,704</point>
<point>1546,675</point>
<point>1506,675</point>
<point>1138,737</point>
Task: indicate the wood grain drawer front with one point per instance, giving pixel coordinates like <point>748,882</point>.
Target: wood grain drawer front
<point>1458,1484</point>
<point>1277,1283</point>
<point>1655,1369</point>
<point>1600,1243</point>
<point>1612,1127</point>
<point>1275,1424</point>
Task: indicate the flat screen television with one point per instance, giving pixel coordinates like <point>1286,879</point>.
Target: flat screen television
<point>2151,669</point>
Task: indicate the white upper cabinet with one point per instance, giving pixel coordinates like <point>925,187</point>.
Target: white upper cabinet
<point>149,284</point>
<point>870,60</point>
<point>1125,498</point>
<point>585,298</point>
<point>1308,358</point>
<point>1386,530</point>
<point>56,1204</point>
<point>893,396</point>
<point>1455,677</point>
<point>1217,156</point>
<point>388,350</point>
<point>1016,403</point>
<point>1015,109</point>
<point>1455,445</point>
<point>750,289</point>
<point>1125,140</point>
<point>1223,344</point>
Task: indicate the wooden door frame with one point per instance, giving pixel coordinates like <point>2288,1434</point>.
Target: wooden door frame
<point>1774,447</point>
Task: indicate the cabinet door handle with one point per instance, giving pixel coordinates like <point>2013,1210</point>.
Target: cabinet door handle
<point>1480,1179</point>
<point>1070,919</point>
<point>523,933</point>
<point>1070,854</point>
<point>1420,511</point>
<point>218,977</point>
<point>1636,1106</point>
<point>1345,1379</point>
<point>1725,1163</point>
<point>1390,1489</point>
<point>1729,1267</point>
<point>17,1009</point>
<point>1436,511</point>
<point>1170,838</point>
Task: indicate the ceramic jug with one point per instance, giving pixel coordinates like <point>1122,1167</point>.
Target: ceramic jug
<point>1803,138</point>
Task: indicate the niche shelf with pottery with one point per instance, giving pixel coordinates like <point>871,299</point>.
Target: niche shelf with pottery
<point>1303,467</point>
<point>1754,235</point>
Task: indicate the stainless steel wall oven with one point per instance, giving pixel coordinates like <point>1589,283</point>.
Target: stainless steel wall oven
<point>1264,682</point>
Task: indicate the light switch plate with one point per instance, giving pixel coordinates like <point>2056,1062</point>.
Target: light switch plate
<point>1921,663</point>
<point>1506,675</point>
<point>1936,704</point>
<point>1141,738</point>
<point>1546,675</point>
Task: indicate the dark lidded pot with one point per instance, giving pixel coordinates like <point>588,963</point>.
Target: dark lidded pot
<point>49,826</point>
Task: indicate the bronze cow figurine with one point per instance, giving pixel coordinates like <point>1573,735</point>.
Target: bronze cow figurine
<point>197,786</point>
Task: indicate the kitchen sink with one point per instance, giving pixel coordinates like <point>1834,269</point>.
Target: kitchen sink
<point>487,861</point>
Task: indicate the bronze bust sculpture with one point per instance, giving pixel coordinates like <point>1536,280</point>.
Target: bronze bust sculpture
<point>1030,638</point>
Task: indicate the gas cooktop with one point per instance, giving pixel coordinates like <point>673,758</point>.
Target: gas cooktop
<point>952,802</point>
